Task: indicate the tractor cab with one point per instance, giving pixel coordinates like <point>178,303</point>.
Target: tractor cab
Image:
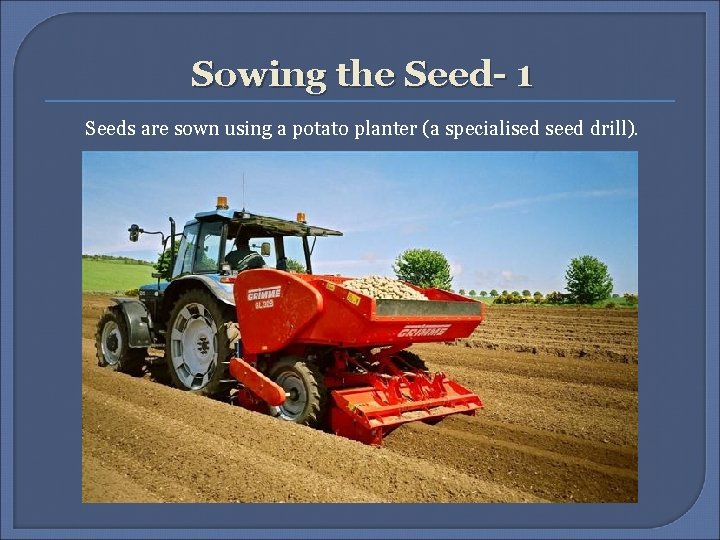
<point>209,240</point>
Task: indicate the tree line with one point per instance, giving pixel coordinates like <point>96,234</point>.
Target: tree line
<point>588,280</point>
<point>123,260</point>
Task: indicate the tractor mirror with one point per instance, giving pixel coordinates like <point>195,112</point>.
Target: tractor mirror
<point>265,249</point>
<point>134,231</point>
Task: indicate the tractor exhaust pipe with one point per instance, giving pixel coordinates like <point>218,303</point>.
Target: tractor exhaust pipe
<point>172,244</point>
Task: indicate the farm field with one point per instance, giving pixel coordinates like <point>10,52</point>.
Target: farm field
<point>113,275</point>
<point>559,425</point>
<point>567,331</point>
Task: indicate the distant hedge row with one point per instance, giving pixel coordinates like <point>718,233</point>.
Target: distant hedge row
<point>122,260</point>
<point>556,298</point>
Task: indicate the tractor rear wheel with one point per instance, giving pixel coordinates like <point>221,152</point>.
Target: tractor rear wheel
<point>305,390</point>
<point>113,345</point>
<point>199,342</point>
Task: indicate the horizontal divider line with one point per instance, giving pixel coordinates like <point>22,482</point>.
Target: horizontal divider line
<point>326,101</point>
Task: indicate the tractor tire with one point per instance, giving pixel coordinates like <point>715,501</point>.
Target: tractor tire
<point>407,359</point>
<point>112,344</point>
<point>307,399</point>
<point>199,342</point>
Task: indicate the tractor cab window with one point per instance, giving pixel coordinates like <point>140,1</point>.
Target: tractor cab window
<point>186,251</point>
<point>242,252</point>
<point>256,246</point>
<point>294,255</point>
<point>208,247</point>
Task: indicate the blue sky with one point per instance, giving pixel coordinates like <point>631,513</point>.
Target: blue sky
<point>504,220</point>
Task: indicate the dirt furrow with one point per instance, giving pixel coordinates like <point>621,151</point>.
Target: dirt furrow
<point>617,456</point>
<point>112,472</point>
<point>566,418</point>
<point>547,474</point>
<point>220,468</point>
<point>591,334</point>
<point>580,395</point>
<point>257,447</point>
<point>536,366</point>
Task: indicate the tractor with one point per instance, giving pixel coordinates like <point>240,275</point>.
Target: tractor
<point>236,321</point>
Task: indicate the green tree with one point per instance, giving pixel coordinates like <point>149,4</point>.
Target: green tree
<point>493,293</point>
<point>505,292</point>
<point>472,292</point>
<point>526,292</point>
<point>295,266</point>
<point>588,280</point>
<point>462,291</point>
<point>163,263</point>
<point>424,268</point>
<point>483,293</point>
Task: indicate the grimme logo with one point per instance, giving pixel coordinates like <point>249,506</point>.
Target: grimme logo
<point>417,330</point>
<point>264,293</point>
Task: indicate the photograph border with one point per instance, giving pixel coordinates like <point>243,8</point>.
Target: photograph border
<point>18,20</point>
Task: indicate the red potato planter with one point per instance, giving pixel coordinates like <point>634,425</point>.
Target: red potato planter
<point>358,380</point>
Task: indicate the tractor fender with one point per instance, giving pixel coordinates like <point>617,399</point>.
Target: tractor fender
<point>223,292</point>
<point>139,321</point>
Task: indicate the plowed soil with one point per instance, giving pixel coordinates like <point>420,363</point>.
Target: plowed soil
<point>574,332</point>
<point>554,428</point>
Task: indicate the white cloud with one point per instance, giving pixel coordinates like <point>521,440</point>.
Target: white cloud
<point>456,269</point>
<point>354,267</point>
<point>501,279</point>
<point>527,201</point>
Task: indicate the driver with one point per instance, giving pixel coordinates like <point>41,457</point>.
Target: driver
<point>242,257</point>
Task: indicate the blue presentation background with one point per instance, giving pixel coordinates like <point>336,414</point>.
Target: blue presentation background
<point>127,56</point>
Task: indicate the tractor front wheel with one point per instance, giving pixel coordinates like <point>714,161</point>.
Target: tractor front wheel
<point>199,342</point>
<point>113,345</point>
<point>305,391</point>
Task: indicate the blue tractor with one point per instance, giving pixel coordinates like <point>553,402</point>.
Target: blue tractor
<point>190,311</point>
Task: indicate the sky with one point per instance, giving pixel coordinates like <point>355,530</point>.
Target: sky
<point>504,220</point>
